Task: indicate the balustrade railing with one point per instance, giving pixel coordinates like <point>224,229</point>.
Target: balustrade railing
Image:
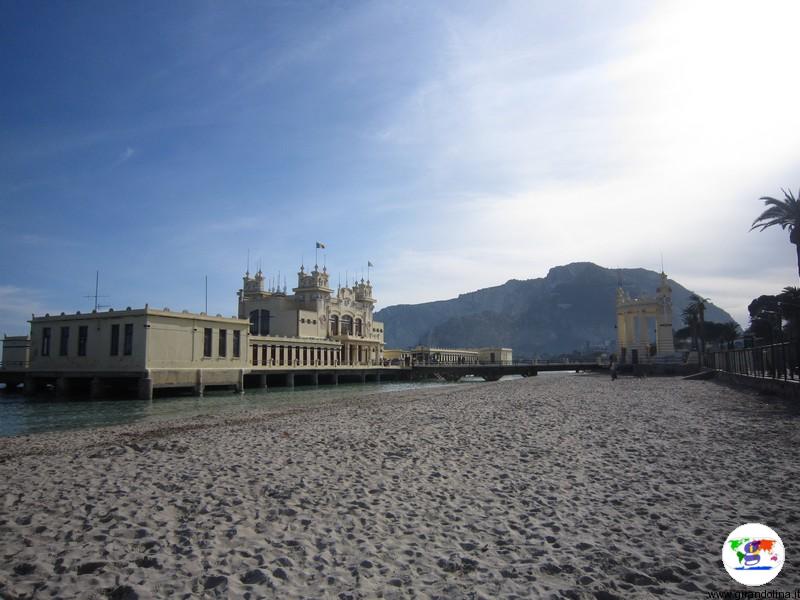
<point>773,361</point>
<point>14,364</point>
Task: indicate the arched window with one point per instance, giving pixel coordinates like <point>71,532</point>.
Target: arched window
<point>259,322</point>
<point>347,325</point>
<point>358,328</point>
<point>334,325</point>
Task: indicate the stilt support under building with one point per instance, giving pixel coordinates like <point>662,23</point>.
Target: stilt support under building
<point>96,388</point>
<point>145,388</point>
<point>199,386</point>
<point>31,386</point>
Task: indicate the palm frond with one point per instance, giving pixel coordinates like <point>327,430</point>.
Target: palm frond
<point>784,212</point>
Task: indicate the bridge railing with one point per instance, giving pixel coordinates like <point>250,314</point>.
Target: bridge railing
<point>773,361</point>
<point>506,363</point>
<point>14,365</point>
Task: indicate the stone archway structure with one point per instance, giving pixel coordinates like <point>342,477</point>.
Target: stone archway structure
<point>635,317</point>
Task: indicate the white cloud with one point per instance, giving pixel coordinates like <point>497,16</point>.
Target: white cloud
<point>124,157</point>
<point>43,241</point>
<point>660,139</point>
<point>16,306</point>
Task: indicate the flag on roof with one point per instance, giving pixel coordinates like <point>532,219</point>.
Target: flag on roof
<point>320,245</point>
<point>369,264</point>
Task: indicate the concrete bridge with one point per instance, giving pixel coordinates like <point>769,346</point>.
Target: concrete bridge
<point>97,384</point>
<point>276,377</point>
<point>493,372</point>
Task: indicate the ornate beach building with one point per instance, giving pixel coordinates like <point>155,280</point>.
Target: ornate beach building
<point>314,326</point>
<point>311,333</point>
<point>644,326</point>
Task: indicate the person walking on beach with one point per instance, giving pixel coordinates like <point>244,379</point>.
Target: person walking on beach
<point>612,366</point>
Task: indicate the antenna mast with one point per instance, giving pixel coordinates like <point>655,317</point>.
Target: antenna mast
<point>96,294</point>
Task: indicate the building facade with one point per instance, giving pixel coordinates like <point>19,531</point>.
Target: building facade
<point>16,351</point>
<point>644,326</point>
<point>426,355</point>
<point>313,326</point>
<point>495,356</point>
<point>146,347</point>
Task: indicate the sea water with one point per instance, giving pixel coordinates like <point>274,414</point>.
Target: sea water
<point>20,415</point>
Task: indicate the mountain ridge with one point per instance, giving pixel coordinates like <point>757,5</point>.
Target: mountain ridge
<point>572,306</point>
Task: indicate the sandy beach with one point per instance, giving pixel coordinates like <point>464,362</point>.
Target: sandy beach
<point>553,486</point>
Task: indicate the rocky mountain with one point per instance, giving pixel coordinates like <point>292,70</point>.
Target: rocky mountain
<point>572,307</point>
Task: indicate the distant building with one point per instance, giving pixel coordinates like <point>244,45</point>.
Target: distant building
<point>336,329</point>
<point>426,355</point>
<point>644,326</point>
<point>397,357</point>
<point>496,356</point>
<point>313,332</point>
<point>461,356</point>
<point>16,352</point>
<point>312,329</point>
<point>146,347</point>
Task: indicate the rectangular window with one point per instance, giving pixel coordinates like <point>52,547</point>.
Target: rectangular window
<point>45,341</point>
<point>83,335</point>
<point>237,340</point>
<point>63,342</point>
<point>255,354</point>
<point>127,345</point>
<point>114,340</point>
<point>207,342</point>
<point>223,342</point>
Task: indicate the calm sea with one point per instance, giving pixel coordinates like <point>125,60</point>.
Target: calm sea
<point>20,415</point>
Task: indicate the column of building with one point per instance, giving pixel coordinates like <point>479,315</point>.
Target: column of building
<point>644,336</point>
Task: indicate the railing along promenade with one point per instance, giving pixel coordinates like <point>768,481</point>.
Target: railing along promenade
<point>773,361</point>
<point>492,371</point>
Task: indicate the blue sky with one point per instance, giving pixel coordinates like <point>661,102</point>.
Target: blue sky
<point>455,145</point>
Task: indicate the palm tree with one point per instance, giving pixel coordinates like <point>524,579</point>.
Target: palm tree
<point>689,315</point>
<point>697,306</point>
<point>785,213</point>
<point>789,309</point>
<point>729,332</point>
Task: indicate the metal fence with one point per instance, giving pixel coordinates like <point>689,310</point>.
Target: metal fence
<point>14,364</point>
<point>775,361</point>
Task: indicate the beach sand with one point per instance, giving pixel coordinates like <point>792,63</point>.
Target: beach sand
<point>563,486</point>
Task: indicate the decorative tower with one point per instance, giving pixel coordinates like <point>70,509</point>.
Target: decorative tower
<point>253,284</point>
<point>363,292</point>
<point>635,319</point>
<point>623,335</point>
<point>312,287</point>
<point>664,338</point>
<point>252,289</point>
